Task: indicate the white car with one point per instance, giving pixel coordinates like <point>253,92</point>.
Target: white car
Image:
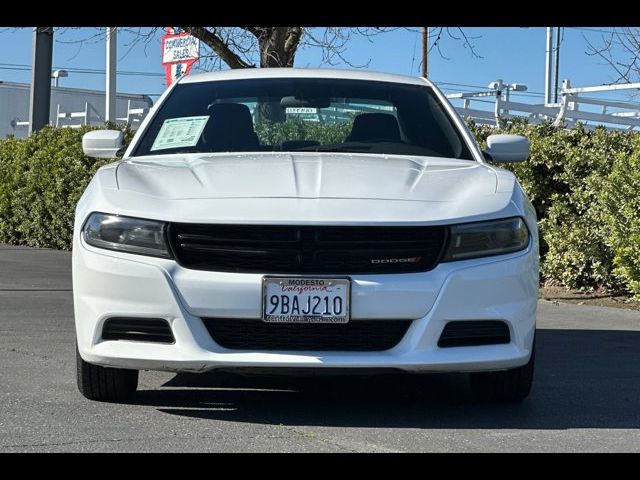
<point>305,219</point>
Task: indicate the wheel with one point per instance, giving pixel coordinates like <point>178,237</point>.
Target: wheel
<point>508,386</point>
<point>104,384</point>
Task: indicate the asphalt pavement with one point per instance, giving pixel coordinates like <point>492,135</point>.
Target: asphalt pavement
<point>586,394</point>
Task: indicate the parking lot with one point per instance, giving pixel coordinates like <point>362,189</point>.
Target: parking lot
<point>586,394</point>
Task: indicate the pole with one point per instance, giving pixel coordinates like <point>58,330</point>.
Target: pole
<point>425,52</point>
<point>548,66</point>
<point>111,64</point>
<point>40,95</point>
<point>557,66</point>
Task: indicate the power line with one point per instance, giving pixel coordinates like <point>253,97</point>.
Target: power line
<point>588,29</point>
<point>478,87</point>
<point>413,58</point>
<point>525,94</point>
<point>94,71</point>
<point>459,84</point>
<point>87,71</point>
<point>528,93</point>
<point>15,68</point>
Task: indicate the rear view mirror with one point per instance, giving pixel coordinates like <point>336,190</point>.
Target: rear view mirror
<point>102,143</point>
<point>507,148</point>
<point>295,102</point>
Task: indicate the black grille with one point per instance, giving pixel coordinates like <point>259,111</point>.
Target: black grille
<point>357,335</point>
<point>309,249</point>
<point>474,333</point>
<point>155,330</point>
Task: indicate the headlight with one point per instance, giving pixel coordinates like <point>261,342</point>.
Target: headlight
<point>126,234</point>
<point>482,239</point>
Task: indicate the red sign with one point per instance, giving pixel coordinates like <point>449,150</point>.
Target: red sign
<point>179,52</point>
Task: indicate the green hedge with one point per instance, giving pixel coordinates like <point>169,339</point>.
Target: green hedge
<point>271,133</point>
<point>585,185</point>
<point>566,177</point>
<point>41,180</point>
<point>620,200</point>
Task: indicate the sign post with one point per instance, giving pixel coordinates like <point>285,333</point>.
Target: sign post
<point>112,63</point>
<point>40,96</point>
<point>179,52</point>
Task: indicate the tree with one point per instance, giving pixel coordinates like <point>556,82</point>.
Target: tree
<point>244,47</point>
<point>247,47</point>
<point>235,46</point>
<point>250,47</point>
<point>620,49</point>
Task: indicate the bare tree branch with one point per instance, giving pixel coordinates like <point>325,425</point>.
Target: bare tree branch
<point>620,49</point>
<point>218,45</point>
<point>466,40</point>
<point>255,31</point>
<point>250,46</point>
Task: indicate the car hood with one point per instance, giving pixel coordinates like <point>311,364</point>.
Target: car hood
<point>305,176</point>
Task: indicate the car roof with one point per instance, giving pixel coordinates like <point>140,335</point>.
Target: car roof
<point>249,73</point>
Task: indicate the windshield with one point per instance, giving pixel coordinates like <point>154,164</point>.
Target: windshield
<point>303,115</point>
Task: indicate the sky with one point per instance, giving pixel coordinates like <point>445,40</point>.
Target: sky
<point>516,55</point>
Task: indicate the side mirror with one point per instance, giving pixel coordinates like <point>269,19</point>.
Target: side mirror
<point>507,148</point>
<point>102,143</point>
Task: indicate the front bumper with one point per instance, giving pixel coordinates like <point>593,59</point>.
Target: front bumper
<point>111,284</point>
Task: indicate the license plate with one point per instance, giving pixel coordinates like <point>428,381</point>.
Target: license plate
<point>305,300</point>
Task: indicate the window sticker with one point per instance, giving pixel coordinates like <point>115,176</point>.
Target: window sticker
<point>179,132</point>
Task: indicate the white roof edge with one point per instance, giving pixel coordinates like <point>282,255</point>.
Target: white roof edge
<point>27,86</point>
<point>249,73</point>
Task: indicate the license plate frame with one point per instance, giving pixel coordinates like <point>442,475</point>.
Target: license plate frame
<point>333,281</point>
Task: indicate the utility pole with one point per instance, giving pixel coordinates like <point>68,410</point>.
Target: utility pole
<point>557,66</point>
<point>111,64</point>
<point>548,66</point>
<point>40,95</point>
<point>425,52</point>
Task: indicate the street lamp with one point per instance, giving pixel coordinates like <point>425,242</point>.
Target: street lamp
<point>518,87</point>
<point>498,86</point>
<point>57,74</point>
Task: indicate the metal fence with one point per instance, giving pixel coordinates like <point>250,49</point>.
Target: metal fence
<point>574,106</point>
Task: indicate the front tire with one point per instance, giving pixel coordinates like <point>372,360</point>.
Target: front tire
<point>104,384</point>
<point>508,386</point>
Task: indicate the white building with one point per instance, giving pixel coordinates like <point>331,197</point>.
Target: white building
<point>69,107</point>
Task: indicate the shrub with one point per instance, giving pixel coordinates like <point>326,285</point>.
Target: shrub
<point>538,175</point>
<point>564,177</point>
<point>584,184</point>
<point>326,133</point>
<point>579,253</point>
<point>620,202</point>
<point>41,180</point>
